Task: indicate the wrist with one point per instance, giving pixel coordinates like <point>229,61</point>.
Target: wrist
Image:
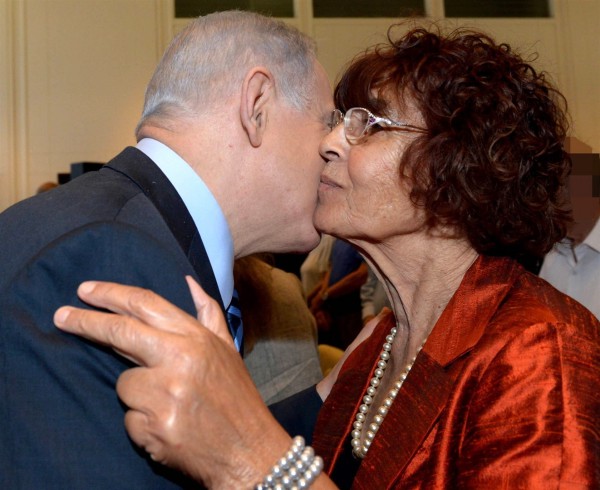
<point>297,468</point>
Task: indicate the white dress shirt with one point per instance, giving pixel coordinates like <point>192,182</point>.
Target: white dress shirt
<point>576,270</point>
<point>204,209</point>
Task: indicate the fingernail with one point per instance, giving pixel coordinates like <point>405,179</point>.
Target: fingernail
<point>87,287</point>
<point>61,315</point>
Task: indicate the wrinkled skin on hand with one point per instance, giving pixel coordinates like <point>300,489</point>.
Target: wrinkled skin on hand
<point>192,404</point>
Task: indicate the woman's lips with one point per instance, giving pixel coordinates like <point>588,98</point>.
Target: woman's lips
<point>327,182</point>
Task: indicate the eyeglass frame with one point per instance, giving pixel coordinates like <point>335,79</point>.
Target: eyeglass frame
<point>338,116</point>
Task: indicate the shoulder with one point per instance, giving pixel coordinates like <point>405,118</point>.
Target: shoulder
<point>106,251</point>
<point>537,336</point>
<point>533,301</point>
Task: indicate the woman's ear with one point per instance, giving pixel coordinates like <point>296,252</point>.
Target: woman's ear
<point>257,92</point>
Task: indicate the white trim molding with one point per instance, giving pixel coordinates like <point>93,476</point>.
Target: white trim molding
<point>13,136</point>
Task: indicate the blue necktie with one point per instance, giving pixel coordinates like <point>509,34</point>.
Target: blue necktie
<point>234,319</point>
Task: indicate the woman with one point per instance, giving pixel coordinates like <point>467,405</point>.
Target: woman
<point>445,170</point>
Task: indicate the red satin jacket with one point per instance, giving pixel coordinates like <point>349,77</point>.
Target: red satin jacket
<point>505,394</point>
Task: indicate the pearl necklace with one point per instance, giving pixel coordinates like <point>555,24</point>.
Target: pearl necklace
<point>360,450</point>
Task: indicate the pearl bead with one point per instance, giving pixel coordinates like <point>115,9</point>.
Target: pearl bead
<point>307,455</point>
<point>359,449</point>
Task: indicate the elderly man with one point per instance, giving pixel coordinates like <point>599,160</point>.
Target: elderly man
<point>226,164</point>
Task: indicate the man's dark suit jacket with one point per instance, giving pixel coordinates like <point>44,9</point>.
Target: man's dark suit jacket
<point>61,423</point>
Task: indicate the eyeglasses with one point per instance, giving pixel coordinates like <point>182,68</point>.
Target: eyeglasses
<point>358,121</point>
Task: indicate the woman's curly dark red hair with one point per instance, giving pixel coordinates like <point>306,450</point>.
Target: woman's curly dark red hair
<point>492,164</point>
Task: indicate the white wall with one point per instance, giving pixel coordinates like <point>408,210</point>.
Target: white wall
<point>568,46</point>
<point>73,72</point>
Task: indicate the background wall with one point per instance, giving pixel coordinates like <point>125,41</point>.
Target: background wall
<point>72,78</point>
<point>73,72</point>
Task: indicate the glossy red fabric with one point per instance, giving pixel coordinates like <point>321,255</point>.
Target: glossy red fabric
<point>505,394</point>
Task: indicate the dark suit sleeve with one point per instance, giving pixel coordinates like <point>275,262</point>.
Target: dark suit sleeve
<point>61,421</point>
<point>298,413</point>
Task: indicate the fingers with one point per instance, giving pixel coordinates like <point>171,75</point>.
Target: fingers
<point>140,303</point>
<point>157,398</point>
<point>138,389</point>
<point>129,331</point>
<point>209,312</point>
<point>130,338</point>
<point>136,424</point>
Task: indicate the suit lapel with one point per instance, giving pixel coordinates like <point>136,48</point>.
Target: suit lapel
<point>425,392</point>
<point>136,166</point>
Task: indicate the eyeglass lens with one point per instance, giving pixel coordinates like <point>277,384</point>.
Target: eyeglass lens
<point>355,122</point>
<point>337,117</point>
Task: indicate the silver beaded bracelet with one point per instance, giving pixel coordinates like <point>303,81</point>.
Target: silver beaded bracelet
<point>297,470</point>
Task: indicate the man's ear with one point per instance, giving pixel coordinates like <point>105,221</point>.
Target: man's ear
<point>257,92</point>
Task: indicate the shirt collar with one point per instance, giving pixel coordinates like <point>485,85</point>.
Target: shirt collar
<point>204,209</point>
<point>593,238</point>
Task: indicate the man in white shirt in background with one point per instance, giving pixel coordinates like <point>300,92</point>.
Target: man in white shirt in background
<point>573,265</point>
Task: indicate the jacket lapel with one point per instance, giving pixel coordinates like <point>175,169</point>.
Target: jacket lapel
<point>425,392</point>
<point>392,449</point>
<point>140,169</point>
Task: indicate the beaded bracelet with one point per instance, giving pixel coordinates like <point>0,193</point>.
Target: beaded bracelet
<point>294,471</point>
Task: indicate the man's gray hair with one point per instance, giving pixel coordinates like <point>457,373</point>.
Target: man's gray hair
<point>208,60</point>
